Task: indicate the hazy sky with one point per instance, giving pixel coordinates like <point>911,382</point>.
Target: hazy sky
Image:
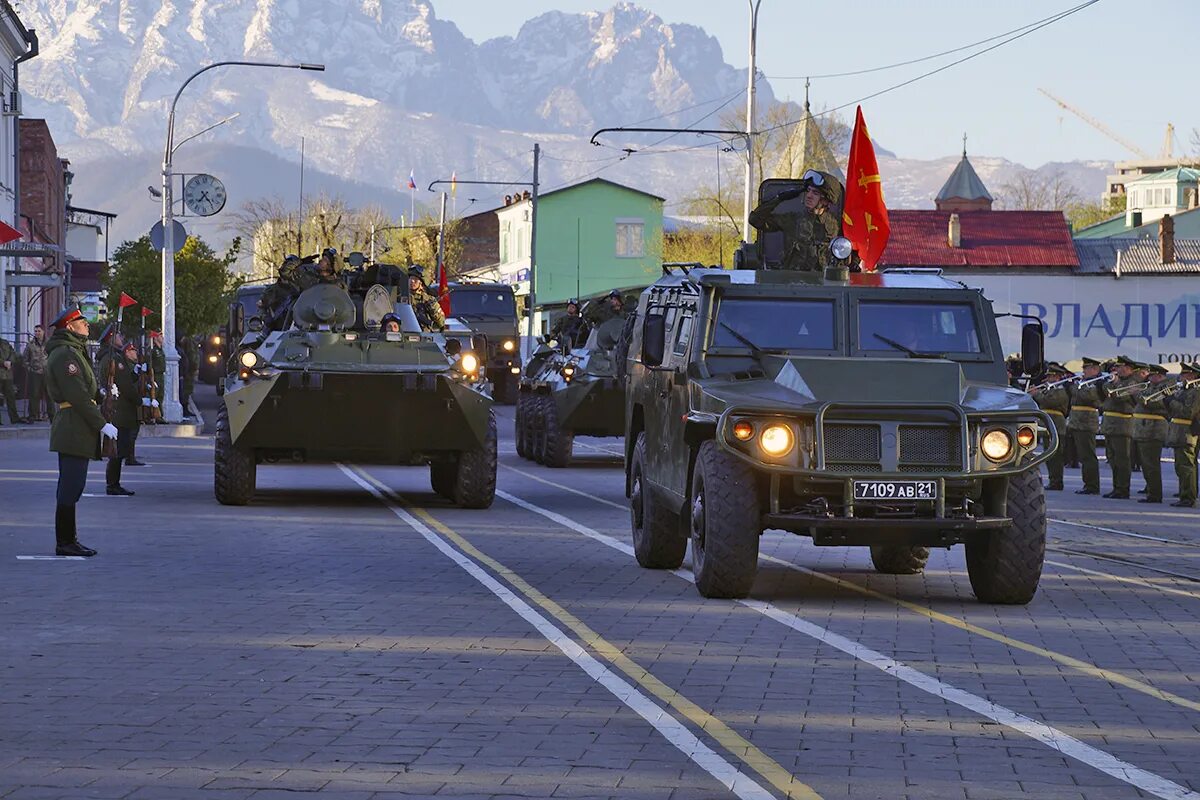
<point>1125,64</point>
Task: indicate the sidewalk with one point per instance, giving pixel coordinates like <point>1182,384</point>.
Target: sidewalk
<point>41,430</point>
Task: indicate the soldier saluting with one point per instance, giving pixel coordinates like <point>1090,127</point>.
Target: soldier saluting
<point>807,231</point>
<point>1083,423</point>
<point>77,427</point>
<point>424,305</point>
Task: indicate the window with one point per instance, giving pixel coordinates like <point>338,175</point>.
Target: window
<point>1133,199</point>
<point>922,327</point>
<point>775,324</point>
<point>504,230</point>
<point>631,238</point>
<point>683,335</point>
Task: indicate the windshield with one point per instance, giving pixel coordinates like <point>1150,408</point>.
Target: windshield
<point>776,324</point>
<point>918,327</point>
<point>496,303</point>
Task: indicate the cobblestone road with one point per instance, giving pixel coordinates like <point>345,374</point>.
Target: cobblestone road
<point>352,635</point>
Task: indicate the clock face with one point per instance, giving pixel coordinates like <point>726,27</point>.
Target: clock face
<point>204,195</point>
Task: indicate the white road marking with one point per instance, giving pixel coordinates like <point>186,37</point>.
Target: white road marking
<point>671,729</point>
<point>1038,731</point>
<point>51,558</point>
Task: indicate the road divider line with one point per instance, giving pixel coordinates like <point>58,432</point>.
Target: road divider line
<point>1125,579</point>
<point>600,500</point>
<point>674,731</point>
<point>1038,731</point>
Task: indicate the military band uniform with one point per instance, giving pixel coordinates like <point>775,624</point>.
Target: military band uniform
<point>1083,423</point>
<point>1183,408</point>
<point>1117,428</point>
<point>76,428</point>
<point>8,359</point>
<point>1057,403</point>
<point>125,416</point>
<point>1149,433</point>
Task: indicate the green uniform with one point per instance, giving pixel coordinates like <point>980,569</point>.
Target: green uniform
<point>35,380</point>
<point>568,330</point>
<point>806,236</point>
<point>1149,433</point>
<point>1083,424</point>
<point>1057,403</point>
<point>1183,408</point>
<point>71,385</point>
<point>8,355</point>
<point>599,313</point>
<point>428,310</point>
<point>1117,427</point>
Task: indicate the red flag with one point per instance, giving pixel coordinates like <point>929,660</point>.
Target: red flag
<point>8,233</point>
<point>864,215</point>
<point>146,312</point>
<point>126,301</point>
<point>443,290</point>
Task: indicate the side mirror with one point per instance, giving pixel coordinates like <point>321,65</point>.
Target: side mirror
<point>654,340</point>
<point>254,324</point>
<point>1033,348</point>
<point>235,329</point>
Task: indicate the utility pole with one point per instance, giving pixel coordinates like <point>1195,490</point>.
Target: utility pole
<point>748,197</point>
<point>533,207</point>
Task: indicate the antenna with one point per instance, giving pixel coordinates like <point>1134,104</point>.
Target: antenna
<point>300,222</point>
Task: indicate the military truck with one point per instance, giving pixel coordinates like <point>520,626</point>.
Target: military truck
<point>491,309</point>
<point>324,382</point>
<point>569,391</point>
<point>867,409</point>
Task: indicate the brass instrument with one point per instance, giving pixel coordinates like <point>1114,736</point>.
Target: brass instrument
<point>1041,387</point>
<point>1133,388</point>
<point>1104,377</point>
<point>1171,388</point>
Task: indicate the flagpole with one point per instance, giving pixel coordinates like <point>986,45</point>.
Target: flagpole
<point>441,251</point>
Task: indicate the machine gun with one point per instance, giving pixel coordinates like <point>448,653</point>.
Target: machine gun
<point>1174,387</point>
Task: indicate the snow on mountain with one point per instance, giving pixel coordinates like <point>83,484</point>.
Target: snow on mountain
<point>403,90</point>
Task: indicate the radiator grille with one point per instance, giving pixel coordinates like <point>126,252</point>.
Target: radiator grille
<point>851,443</point>
<point>929,448</point>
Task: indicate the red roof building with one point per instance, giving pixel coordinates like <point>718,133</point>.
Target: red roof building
<point>983,239</point>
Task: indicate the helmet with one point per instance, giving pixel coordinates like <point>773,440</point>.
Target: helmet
<point>417,271</point>
<point>390,317</point>
<point>615,293</point>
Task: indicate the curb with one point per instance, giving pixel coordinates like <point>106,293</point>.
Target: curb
<point>42,431</point>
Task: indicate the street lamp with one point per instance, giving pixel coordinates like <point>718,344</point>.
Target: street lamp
<point>172,410</point>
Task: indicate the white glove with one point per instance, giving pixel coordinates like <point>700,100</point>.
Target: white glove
<point>154,404</point>
<point>109,430</point>
<point>116,393</point>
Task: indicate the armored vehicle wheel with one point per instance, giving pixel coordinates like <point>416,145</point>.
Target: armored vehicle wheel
<point>1006,565</point>
<point>519,426</point>
<point>536,420</point>
<point>899,559</point>
<point>725,524</point>
<point>234,470</point>
<point>559,441</point>
<point>441,477</point>
<point>657,541</point>
<point>475,472</point>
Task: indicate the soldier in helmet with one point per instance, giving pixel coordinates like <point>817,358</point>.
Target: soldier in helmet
<point>569,329</point>
<point>327,271</point>
<point>809,230</point>
<point>390,323</point>
<point>424,305</point>
<point>278,297</point>
<point>612,307</point>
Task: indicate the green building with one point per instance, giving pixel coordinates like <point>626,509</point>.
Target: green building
<point>592,237</point>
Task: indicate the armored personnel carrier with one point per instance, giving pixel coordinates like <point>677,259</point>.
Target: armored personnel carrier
<point>569,391</point>
<point>491,309</point>
<point>317,378</point>
<point>868,409</point>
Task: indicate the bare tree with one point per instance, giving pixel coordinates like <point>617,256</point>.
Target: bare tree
<point>1033,191</point>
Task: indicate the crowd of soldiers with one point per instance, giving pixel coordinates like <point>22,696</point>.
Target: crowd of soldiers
<point>1138,409</point>
<point>572,329</point>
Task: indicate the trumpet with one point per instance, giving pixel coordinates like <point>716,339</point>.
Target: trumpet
<point>1054,384</point>
<point>1171,388</point>
<point>1133,388</point>
<point>1106,377</point>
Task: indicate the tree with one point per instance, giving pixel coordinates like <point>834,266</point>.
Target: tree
<point>1034,191</point>
<point>203,283</point>
<point>1082,214</point>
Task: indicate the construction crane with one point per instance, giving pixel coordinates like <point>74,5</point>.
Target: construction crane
<point>1100,126</point>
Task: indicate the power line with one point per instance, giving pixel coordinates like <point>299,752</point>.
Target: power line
<point>932,57</point>
<point>1048,21</point>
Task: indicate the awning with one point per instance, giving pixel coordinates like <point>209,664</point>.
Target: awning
<point>42,280</point>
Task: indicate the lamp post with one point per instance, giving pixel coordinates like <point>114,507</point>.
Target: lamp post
<point>172,410</point>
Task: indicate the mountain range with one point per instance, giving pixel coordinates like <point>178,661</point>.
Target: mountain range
<point>403,91</point>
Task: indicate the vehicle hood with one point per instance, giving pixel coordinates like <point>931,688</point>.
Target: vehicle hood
<point>810,382</point>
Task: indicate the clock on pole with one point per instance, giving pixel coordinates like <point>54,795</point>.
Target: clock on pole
<point>204,195</point>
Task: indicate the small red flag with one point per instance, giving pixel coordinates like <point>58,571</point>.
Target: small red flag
<point>443,290</point>
<point>146,312</point>
<point>864,215</point>
<point>8,233</point>
<point>126,301</point>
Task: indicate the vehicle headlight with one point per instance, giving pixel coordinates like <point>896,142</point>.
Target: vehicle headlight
<point>468,363</point>
<point>249,359</point>
<point>841,248</point>
<point>775,439</point>
<point>216,340</point>
<point>1026,436</point>
<point>997,444</point>
<point>568,372</point>
<point>743,430</point>
<point>213,359</point>
<point>509,345</point>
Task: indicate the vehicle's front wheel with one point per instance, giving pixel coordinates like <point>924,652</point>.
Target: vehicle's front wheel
<point>559,441</point>
<point>536,420</point>
<point>657,541</point>
<point>1005,566</point>
<point>899,559</point>
<point>725,524</point>
<point>234,470</point>
<point>475,472</point>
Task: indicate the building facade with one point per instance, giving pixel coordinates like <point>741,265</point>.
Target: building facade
<point>42,278</point>
<point>17,44</point>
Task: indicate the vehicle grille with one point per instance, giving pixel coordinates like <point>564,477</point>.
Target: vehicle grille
<point>851,442</point>
<point>925,448</point>
<point>843,467</point>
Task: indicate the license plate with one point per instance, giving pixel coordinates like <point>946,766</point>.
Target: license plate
<point>895,490</point>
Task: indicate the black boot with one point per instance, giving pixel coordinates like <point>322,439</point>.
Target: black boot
<point>112,475</point>
<point>65,533</point>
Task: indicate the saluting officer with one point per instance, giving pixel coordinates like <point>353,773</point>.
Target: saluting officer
<point>1117,427</point>
<point>77,427</point>
<point>1183,409</point>
<point>424,305</point>
<point>1150,431</point>
<point>1056,402</point>
<point>1084,423</point>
